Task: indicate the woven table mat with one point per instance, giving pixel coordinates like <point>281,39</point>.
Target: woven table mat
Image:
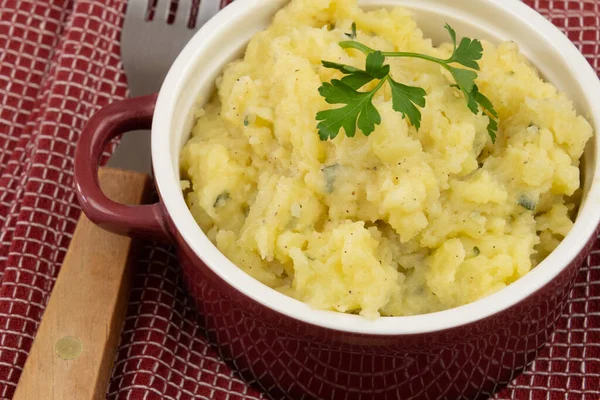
<point>59,63</point>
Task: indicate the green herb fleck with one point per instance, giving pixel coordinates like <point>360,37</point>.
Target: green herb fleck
<point>246,122</point>
<point>352,35</point>
<point>527,203</point>
<point>358,109</point>
<point>330,172</point>
<point>476,251</point>
<point>221,199</point>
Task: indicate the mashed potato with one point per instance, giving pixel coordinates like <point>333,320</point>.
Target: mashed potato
<point>400,222</point>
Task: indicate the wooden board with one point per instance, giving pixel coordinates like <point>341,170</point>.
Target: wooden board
<point>74,348</point>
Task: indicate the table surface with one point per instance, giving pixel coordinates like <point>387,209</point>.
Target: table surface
<point>59,63</point>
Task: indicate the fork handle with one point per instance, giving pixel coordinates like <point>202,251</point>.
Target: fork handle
<point>75,346</point>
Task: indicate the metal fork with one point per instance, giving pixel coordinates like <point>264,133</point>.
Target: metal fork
<point>148,48</point>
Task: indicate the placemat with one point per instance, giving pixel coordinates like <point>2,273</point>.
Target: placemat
<point>59,63</point>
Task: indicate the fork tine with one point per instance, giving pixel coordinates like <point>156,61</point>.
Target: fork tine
<point>162,10</point>
<point>184,9</point>
<point>136,10</point>
<point>208,8</point>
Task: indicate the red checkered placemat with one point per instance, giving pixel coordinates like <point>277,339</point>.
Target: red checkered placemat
<point>59,63</point>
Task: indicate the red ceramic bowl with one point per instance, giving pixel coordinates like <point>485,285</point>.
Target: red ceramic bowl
<point>292,350</point>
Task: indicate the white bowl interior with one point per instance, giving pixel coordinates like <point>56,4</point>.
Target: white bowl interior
<point>190,82</point>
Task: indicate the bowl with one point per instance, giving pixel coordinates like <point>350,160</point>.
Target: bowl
<point>290,349</point>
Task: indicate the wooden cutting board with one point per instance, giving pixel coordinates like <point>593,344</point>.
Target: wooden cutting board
<point>75,346</point>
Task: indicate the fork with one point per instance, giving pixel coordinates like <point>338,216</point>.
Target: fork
<point>75,345</point>
<point>148,48</point>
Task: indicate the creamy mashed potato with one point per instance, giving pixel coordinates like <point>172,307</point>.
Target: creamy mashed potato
<point>400,222</point>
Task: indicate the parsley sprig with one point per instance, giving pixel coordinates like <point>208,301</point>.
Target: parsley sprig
<point>358,109</point>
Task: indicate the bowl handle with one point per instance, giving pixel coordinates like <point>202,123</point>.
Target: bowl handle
<point>127,115</point>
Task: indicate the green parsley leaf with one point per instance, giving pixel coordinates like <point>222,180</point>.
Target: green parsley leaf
<point>357,79</point>
<point>375,66</point>
<point>452,33</point>
<point>347,69</point>
<point>484,102</point>
<point>464,78</point>
<point>488,109</point>
<point>492,129</point>
<point>471,102</point>
<point>468,52</point>
<point>358,110</point>
<point>369,117</point>
<point>336,92</point>
<point>465,81</point>
<point>476,99</point>
<point>404,99</point>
